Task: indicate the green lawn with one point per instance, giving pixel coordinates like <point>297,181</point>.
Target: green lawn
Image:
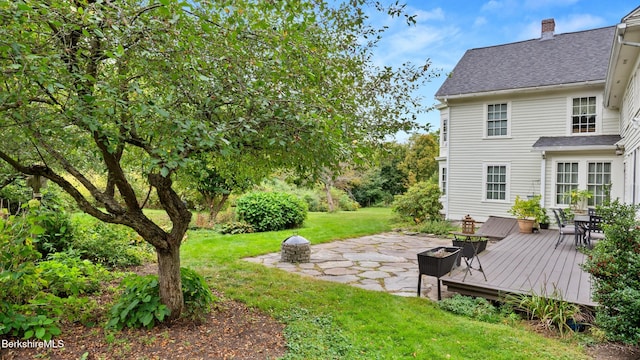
<point>328,320</point>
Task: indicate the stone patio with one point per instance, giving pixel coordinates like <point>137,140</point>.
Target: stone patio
<point>383,262</point>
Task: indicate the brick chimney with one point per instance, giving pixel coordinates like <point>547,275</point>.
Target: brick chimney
<point>548,28</point>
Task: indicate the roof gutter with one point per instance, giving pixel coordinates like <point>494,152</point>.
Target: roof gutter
<point>611,69</point>
<point>521,90</point>
<point>573,148</point>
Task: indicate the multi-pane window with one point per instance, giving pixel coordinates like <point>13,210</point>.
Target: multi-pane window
<point>598,181</point>
<point>497,122</point>
<point>583,118</point>
<point>444,131</point>
<point>496,182</point>
<point>566,180</point>
<point>443,182</point>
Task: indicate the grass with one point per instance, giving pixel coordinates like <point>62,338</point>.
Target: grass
<point>327,320</point>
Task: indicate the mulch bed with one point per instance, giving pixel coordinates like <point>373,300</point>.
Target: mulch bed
<point>230,331</point>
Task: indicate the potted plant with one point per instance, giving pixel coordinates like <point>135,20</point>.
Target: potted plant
<point>542,218</point>
<point>526,210</point>
<point>578,200</point>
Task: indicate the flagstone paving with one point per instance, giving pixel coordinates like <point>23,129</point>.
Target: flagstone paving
<point>383,262</point>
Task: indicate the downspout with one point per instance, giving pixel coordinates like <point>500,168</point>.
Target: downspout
<point>543,179</point>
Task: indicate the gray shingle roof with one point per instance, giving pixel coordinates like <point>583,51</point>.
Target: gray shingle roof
<point>547,142</point>
<point>565,59</point>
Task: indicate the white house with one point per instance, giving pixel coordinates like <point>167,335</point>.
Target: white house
<point>622,94</point>
<point>532,117</point>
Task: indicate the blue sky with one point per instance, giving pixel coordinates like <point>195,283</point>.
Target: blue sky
<point>445,29</point>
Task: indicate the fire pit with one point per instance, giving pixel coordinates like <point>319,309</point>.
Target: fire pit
<point>295,249</point>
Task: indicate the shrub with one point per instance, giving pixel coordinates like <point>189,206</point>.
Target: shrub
<point>236,227</point>
<point>421,202</point>
<point>58,230</point>
<point>197,296</point>
<point>271,211</point>
<point>436,227</point>
<point>139,305</point>
<point>614,264</point>
<point>344,201</point>
<point>473,308</point>
<point>66,274</point>
<point>114,246</point>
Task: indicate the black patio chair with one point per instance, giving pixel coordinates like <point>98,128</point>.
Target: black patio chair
<point>564,228</point>
<point>594,230</point>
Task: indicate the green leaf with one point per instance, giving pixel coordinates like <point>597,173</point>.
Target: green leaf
<point>40,332</point>
<point>37,230</point>
<point>146,319</point>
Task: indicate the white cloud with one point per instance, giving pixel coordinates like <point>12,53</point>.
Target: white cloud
<point>570,23</point>
<point>492,5</point>
<point>411,43</point>
<point>579,22</point>
<point>537,4</point>
<point>435,14</point>
<point>481,20</point>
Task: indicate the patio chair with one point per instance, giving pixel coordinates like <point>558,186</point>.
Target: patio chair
<point>563,227</point>
<point>594,230</point>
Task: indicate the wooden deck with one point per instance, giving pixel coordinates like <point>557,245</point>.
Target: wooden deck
<point>521,263</point>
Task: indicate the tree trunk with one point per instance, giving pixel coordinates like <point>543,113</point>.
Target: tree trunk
<point>215,206</point>
<point>332,206</point>
<point>169,279</point>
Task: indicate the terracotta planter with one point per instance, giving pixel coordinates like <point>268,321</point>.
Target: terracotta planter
<point>526,225</point>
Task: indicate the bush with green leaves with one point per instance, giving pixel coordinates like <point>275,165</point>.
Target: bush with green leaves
<point>236,227</point>
<point>436,227</point>
<point>139,304</point>
<point>19,278</point>
<point>421,202</point>
<point>473,308</point>
<point>198,298</point>
<point>58,234</point>
<point>114,246</point>
<point>269,211</point>
<point>614,264</point>
<point>68,275</point>
<point>15,323</point>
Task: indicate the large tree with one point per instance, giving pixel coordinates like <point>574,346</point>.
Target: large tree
<point>123,87</point>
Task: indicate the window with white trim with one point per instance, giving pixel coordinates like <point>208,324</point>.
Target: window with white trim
<point>443,181</point>
<point>566,180</point>
<point>497,120</point>
<point>598,182</point>
<point>496,182</point>
<point>444,131</point>
<point>583,115</point>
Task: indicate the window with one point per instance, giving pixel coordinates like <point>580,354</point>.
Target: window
<point>566,180</point>
<point>444,131</point>
<point>443,182</point>
<point>598,180</point>
<point>496,182</point>
<point>583,118</point>
<point>497,124</point>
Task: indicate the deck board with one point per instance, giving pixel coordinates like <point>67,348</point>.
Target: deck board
<point>521,263</point>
